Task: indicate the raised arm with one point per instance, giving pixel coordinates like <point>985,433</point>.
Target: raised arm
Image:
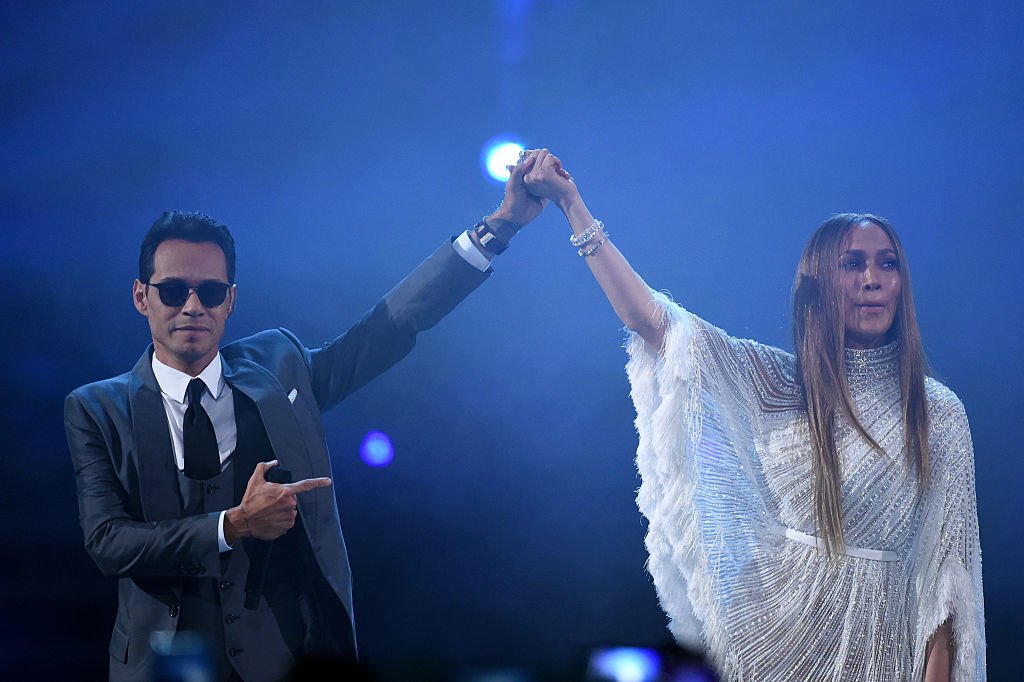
<point>388,331</point>
<point>626,290</point>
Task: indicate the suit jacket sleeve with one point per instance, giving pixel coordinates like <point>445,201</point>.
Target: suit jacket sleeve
<point>388,331</point>
<point>119,543</point>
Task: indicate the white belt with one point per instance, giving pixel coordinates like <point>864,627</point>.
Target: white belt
<point>855,552</point>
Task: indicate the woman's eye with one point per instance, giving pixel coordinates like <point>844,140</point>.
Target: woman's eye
<point>849,264</point>
<point>891,265</point>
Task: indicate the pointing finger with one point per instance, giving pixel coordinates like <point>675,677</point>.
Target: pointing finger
<point>308,484</point>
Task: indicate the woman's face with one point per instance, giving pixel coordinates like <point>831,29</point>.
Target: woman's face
<point>869,276</point>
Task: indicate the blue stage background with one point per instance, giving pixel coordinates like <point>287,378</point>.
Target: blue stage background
<point>340,143</point>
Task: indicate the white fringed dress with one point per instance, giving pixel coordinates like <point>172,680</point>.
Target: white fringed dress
<point>725,459</point>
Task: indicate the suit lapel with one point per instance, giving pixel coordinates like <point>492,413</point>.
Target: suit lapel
<point>278,415</point>
<point>160,493</point>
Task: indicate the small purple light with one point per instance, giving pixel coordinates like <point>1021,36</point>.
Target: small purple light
<point>376,449</point>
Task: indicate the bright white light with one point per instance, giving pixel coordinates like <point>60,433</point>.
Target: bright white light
<point>498,153</point>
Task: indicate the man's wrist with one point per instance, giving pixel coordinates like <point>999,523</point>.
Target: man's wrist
<point>236,525</point>
<point>494,232</point>
<point>476,242</point>
<point>501,214</point>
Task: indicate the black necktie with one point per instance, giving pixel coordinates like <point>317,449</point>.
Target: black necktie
<point>202,459</point>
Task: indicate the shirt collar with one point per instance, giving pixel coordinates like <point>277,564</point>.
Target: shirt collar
<point>174,383</point>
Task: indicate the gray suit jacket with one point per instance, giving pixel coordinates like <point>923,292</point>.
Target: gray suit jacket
<point>128,494</point>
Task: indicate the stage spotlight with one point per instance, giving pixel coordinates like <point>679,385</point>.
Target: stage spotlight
<point>499,152</point>
<point>624,664</point>
<point>376,449</point>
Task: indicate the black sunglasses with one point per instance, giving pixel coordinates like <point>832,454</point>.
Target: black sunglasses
<point>175,292</point>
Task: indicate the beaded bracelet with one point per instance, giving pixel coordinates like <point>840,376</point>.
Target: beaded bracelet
<point>593,249</point>
<point>588,234</point>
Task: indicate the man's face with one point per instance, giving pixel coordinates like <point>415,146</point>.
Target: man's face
<point>185,337</point>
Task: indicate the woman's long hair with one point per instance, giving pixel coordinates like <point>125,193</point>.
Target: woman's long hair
<point>819,331</point>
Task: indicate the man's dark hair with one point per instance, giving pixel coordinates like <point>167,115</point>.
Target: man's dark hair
<point>191,227</point>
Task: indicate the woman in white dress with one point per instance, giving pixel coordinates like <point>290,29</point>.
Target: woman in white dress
<point>811,516</point>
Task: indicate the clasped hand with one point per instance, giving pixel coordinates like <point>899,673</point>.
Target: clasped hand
<point>267,510</point>
<point>536,179</point>
<point>547,179</point>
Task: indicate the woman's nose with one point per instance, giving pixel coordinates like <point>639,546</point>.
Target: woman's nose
<point>871,282</point>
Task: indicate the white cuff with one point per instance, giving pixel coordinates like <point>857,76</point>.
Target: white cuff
<point>224,546</point>
<point>465,247</point>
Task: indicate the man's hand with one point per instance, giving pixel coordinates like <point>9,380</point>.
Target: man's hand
<point>267,510</point>
<point>519,206</point>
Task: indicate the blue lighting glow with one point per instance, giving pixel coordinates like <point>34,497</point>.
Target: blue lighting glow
<point>625,664</point>
<point>376,449</point>
<point>500,151</point>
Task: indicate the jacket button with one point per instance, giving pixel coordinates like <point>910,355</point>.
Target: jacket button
<point>225,584</point>
<point>173,610</point>
<point>211,489</point>
<point>234,652</point>
<point>229,619</point>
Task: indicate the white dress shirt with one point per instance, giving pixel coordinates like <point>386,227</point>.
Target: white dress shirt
<point>218,403</point>
<point>465,247</point>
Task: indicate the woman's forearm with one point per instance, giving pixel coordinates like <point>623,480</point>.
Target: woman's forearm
<point>629,295</point>
<point>626,291</point>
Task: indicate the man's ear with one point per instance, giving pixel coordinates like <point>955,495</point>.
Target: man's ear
<point>139,298</point>
<point>232,292</point>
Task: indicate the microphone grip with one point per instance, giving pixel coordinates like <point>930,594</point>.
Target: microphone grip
<point>259,559</point>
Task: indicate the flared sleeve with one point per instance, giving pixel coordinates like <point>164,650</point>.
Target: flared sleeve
<point>947,577</point>
<point>697,404</point>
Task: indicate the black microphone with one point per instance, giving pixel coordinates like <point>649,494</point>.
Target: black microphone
<point>259,560</point>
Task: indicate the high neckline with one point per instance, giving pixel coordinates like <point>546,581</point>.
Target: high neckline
<point>873,362</point>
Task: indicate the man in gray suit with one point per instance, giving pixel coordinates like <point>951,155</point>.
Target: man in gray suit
<point>172,458</point>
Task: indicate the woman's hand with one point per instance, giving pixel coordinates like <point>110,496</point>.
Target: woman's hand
<point>548,179</point>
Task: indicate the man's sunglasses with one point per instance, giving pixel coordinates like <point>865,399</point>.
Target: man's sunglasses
<point>175,292</point>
